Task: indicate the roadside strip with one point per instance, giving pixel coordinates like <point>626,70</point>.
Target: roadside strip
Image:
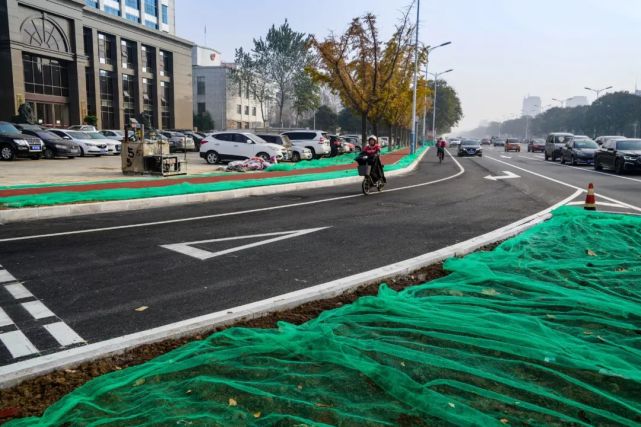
<point>18,372</point>
<point>62,211</point>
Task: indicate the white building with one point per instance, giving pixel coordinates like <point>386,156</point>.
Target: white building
<point>215,91</point>
<point>576,101</point>
<point>155,14</point>
<point>531,106</point>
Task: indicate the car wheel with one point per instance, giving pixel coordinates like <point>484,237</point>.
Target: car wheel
<point>212,157</point>
<point>7,152</point>
<point>574,163</point>
<point>264,156</point>
<point>295,156</point>
<point>49,154</point>
<point>619,169</point>
<point>313,153</point>
<point>546,156</point>
<point>562,159</point>
<point>597,165</point>
<point>71,157</point>
<point>82,152</point>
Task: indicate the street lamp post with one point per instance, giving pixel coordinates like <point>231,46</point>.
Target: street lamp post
<point>436,75</point>
<point>598,91</point>
<point>413,133</point>
<point>429,49</point>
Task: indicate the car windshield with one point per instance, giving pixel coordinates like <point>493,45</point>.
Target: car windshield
<point>469,143</point>
<point>539,141</point>
<point>562,139</point>
<point>585,143</point>
<point>632,144</point>
<point>257,139</point>
<point>8,128</point>
<point>512,141</point>
<point>96,135</point>
<point>78,135</point>
<point>45,134</point>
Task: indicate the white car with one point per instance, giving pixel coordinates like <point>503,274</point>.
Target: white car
<point>116,134</point>
<point>88,146</point>
<point>83,128</point>
<point>317,141</point>
<point>113,145</point>
<point>221,146</point>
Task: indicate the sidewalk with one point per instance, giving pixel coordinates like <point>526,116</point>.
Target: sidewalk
<point>48,195</point>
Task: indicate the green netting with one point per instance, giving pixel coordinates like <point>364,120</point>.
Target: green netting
<point>344,159</point>
<point>544,330</point>
<point>64,197</point>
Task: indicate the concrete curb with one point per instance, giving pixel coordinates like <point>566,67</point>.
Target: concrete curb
<point>18,372</point>
<point>48,212</point>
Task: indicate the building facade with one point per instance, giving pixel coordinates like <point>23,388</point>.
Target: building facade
<point>71,58</point>
<point>215,91</point>
<point>576,101</point>
<point>531,106</point>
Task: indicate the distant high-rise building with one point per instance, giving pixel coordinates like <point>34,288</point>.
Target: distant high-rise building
<point>576,101</point>
<point>531,106</point>
<point>154,14</point>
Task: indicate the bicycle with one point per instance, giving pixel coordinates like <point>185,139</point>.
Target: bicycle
<point>441,154</point>
<point>364,170</point>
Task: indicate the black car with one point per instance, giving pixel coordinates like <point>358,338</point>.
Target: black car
<point>14,144</point>
<point>470,147</point>
<point>579,150</point>
<point>619,154</point>
<point>55,146</point>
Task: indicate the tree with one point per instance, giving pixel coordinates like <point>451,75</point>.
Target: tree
<point>203,121</point>
<point>448,107</point>
<point>283,54</point>
<point>360,67</point>
<point>306,94</point>
<point>251,72</point>
<point>91,120</point>
<point>326,119</point>
<point>349,121</point>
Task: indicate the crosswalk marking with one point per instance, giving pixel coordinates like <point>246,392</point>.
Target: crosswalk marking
<point>18,344</point>
<point>37,309</point>
<point>63,334</point>
<point>18,291</point>
<point>6,277</point>
<point>5,320</point>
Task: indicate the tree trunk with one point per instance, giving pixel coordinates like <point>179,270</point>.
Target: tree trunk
<point>281,105</point>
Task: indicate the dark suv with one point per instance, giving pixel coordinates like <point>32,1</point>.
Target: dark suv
<point>14,144</point>
<point>619,154</point>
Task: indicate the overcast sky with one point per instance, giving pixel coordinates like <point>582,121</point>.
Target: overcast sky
<point>502,50</point>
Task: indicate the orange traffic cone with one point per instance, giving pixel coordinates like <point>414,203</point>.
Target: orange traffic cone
<point>590,199</point>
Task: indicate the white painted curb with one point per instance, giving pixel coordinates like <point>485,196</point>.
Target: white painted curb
<point>18,372</point>
<point>48,212</point>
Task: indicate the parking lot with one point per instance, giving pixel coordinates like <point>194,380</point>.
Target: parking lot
<point>27,171</point>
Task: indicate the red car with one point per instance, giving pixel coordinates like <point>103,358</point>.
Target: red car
<point>513,145</point>
<point>536,145</point>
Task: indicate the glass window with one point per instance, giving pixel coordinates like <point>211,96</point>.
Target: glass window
<point>132,4</point>
<point>151,24</point>
<point>45,76</point>
<point>165,105</point>
<point>165,66</point>
<point>107,99</point>
<point>148,96</point>
<point>239,109</point>
<point>128,54</point>
<point>129,96</point>
<point>200,85</point>
<point>165,14</point>
<point>112,10</point>
<point>92,3</point>
<point>148,59</point>
<point>247,110</point>
<point>132,18</point>
<point>105,48</point>
<point>202,108</point>
<point>253,111</point>
<point>151,7</point>
<point>88,42</point>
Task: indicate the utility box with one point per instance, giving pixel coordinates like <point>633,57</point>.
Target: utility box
<point>149,155</point>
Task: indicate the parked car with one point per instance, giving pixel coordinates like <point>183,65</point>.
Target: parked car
<point>317,141</point>
<point>84,128</point>
<point>179,141</point>
<point>513,144</point>
<point>221,146</point>
<point>348,147</point>
<point>88,145</point>
<point>579,150</point>
<point>383,141</point>
<point>470,147</point>
<point>486,141</point>
<point>117,135</point>
<point>354,141</point>
<point>602,139</point>
<point>13,144</point>
<point>536,145</point>
<point>498,142</point>
<point>55,146</point>
<point>454,142</point>
<point>621,155</point>
<point>197,137</point>
<point>554,143</point>
<point>290,152</point>
<point>113,145</point>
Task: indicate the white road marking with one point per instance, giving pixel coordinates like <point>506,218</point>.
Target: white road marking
<point>506,157</point>
<point>18,291</point>
<point>627,178</point>
<point>228,214</point>
<point>627,205</point>
<point>17,344</point>
<point>508,175</point>
<point>63,334</point>
<point>6,277</point>
<point>5,320</point>
<point>37,309</point>
<point>187,249</point>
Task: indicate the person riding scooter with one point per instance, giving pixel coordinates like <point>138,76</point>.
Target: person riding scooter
<point>370,156</point>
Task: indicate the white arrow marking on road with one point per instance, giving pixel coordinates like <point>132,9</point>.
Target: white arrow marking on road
<point>508,175</point>
<point>187,249</point>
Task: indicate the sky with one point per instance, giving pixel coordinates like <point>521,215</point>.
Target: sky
<point>501,51</point>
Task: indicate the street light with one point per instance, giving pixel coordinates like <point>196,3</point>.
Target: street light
<point>413,133</point>
<point>434,102</point>
<point>429,49</point>
<point>598,91</point>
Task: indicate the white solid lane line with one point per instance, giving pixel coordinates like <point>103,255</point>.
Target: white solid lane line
<point>228,214</point>
<point>18,291</point>
<point>627,205</point>
<point>5,320</point>
<point>37,310</point>
<point>63,334</point>
<point>17,344</point>
<point>627,178</point>
<point>6,277</point>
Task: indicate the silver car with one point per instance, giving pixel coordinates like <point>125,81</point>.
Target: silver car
<point>179,141</point>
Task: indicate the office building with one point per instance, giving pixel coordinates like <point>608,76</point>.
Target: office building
<point>230,105</point>
<point>112,59</point>
<point>531,106</point>
<point>576,101</point>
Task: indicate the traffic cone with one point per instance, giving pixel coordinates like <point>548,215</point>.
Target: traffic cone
<point>590,199</point>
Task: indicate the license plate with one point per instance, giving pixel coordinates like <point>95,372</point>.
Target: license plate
<point>36,148</point>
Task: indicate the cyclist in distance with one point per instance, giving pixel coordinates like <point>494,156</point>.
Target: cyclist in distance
<point>440,149</point>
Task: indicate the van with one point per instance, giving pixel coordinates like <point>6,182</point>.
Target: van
<point>554,143</point>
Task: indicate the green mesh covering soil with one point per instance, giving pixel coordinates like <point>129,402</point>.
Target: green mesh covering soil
<point>62,197</point>
<point>344,159</point>
<point>544,330</point>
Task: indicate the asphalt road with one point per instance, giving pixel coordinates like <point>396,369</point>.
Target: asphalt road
<point>86,276</point>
